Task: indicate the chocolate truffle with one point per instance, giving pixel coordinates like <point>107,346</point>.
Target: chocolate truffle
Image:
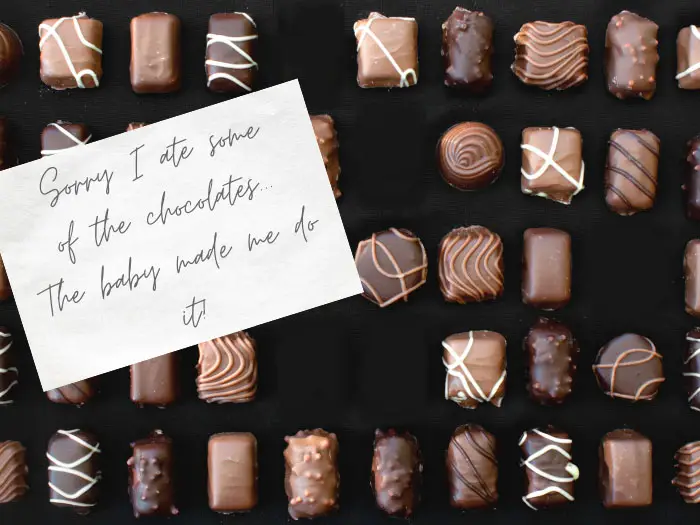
<point>472,468</point>
<point>548,468</point>
<point>466,49</point>
<point>625,469</point>
<point>155,53</point>
<point>13,471</point>
<point>546,268</point>
<point>691,367</point>
<point>692,180</point>
<point>687,478</point>
<point>58,136</point>
<point>11,52</point>
<point>74,394</point>
<point>311,479</point>
<point>233,472</point>
<point>387,51</point>
<point>470,156</point>
<point>9,376</point>
<point>228,369</point>
<point>629,367</point>
<point>231,43</point>
<point>552,163</point>
<point>391,264</point>
<point>475,364</point>
<point>71,52</point>
<point>688,58</point>
<point>151,474</point>
<point>471,265</point>
<point>691,263</point>
<point>631,171</point>
<point>396,472</point>
<point>135,125</point>
<point>551,55</point>
<point>631,56</point>
<point>154,381</point>
<point>5,288</point>
<point>74,470</point>
<point>327,140</point>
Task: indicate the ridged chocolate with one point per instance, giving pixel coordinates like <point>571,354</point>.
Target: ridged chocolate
<point>327,140</point>
<point>13,471</point>
<point>9,376</point>
<point>228,369</point>
<point>396,472</point>
<point>151,476</point>
<point>11,52</point>
<point>74,394</point>
<point>687,479</point>
<point>691,368</point>
<point>472,468</point>
<point>467,47</point>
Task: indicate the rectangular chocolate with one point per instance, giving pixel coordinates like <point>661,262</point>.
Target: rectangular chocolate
<point>58,136</point>
<point>327,140</point>
<point>691,264</point>
<point>233,472</point>
<point>228,369</point>
<point>691,368</point>
<point>472,468</point>
<point>546,268</point>
<point>625,469</point>
<point>154,381</point>
<point>5,288</point>
<point>396,472</point>
<point>151,476</point>
<point>467,48</point>
<point>688,44</point>
<point>230,58</point>
<point>692,180</point>
<point>155,53</point>
<point>74,394</point>
<point>687,478</point>
<point>9,376</point>
<point>13,471</point>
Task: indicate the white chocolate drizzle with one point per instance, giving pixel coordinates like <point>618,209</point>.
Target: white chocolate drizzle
<point>693,374</point>
<point>231,41</point>
<point>693,67</point>
<point>70,468</point>
<point>549,161</point>
<point>14,370</point>
<point>64,131</point>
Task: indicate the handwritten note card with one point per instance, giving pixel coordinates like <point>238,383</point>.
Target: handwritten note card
<point>173,234</point>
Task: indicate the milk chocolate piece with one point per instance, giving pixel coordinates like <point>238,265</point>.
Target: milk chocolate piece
<point>74,470</point>
<point>151,474</point>
<point>692,180</point>
<point>135,125</point>
<point>58,136</point>
<point>5,288</point>
<point>475,364</point>
<point>546,268</point>
<point>551,55</point>
<point>155,53</point>
<point>311,478</point>
<point>631,56</point>
<point>387,51</point>
<point>13,471</point>
<point>71,52</point>
<point>472,468</point>
<point>687,478</point>
<point>396,472</point>
<point>9,376</point>
<point>230,59</point>
<point>548,468</point>
<point>691,263</point>
<point>228,369</point>
<point>691,369</point>
<point>233,472</point>
<point>11,52</point>
<point>154,381</point>
<point>467,47</point>
<point>689,58</point>
<point>625,469</point>
<point>74,394</point>
<point>327,140</point>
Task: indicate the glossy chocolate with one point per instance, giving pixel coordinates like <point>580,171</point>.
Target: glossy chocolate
<point>155,53</point>
<point>228,369</point>
<point>58,136</point>
<point>154,381</point>
<point>687,479</point>
<point>546,268</point>
<point>233,472</point>
<point>467,47</point>
<point>691,368</point>
<point>472,468</point>
<point>11,52</point>
<point>396,472</point>
<point>691,264</point>
<point>688,44</point>
<point>230,59</point>
<point>135,125</point>
<point>74,394</point>
<point>327,140</point>
<point>74,470</point>
<point>625,469</point>
<point>151,476</point>
<point>9,375</point>
<point>692,180</point>
<point>13,471</point>
<point>5,288</point>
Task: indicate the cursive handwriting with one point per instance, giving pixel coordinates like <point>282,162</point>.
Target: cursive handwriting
<point>230,139</point>
<point>72,188</point>
<point>213,252</point>
<point>194,312</point>
<point>269,238</point>
<point>103,229</point>
<point>68,243</point>
<point>302,224</point>
<point>55,291</point>
<point>128,279</point>
<point>176,152</point>
<point>135,153</point>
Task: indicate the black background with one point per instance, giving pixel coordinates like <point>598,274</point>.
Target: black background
<point>350,367</point>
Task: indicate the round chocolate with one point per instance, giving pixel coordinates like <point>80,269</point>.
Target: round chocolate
<point>470,156</point>
<point>10,53</point>
<point>391,264</point>
<point>628,367</point>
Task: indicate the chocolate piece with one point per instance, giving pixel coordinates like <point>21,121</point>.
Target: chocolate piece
<point>689,58</point>
<point>631,56</point>
<point>5,288</point>
<point>629,367</point>
<point>327,140</point>
<point>466,49</point>
<point>551,55</point>
<point>691,370</point>
<point>8,158</point>
<point>154,381</point>
<point>396,472</point>
<point>151,473</point>
<point>11,52</point>
<point>552,163</point>
<point>391,264</point>
<point>691,262</point>
<point>231,44</point>
<point>311,479</point>
<point>546,268</point>
<point>233,472</point>
<point>74,394</point>
<point>470,156</point>
<point>687,478</point>
<point>58,136</point>
<point>387,51</point>
<point>692,180</point>
<point>13,471</point>
<point>228,369</point>
<point>625,469</point>
<point>135,125</point>
<point>475,363</point>
<point>472,468</point>
<point>71,52</point>
<point>155,53</point>
<point>552,352</point>
<point>548,467</point>
<point>471,265</point>
<point>74,471</point>
<point>632,170</point>
<point>9,376</point>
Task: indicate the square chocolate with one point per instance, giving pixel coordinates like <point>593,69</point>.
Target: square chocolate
<point>689,58</point>
<point>230,59</point>
<point>58,136</point>
<point>625,469</point>
<point>155,53</point>
<point>233,472</point>
<point>327,139</point>
<point>546,268</point>
<point>387,51</point>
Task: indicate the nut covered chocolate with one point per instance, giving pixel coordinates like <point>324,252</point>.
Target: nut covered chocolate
<point>151,468</point>
<point>13,471</point>
<point>472,468</point>
<point>230,58</point>
<point>11,52</point>
<point>155,53</point>
<point>688,45</point>
<point>74,470</point>
<point>327,140</point>
<point>467,48</point>
<point>625,469</point>
<point>396,472</point>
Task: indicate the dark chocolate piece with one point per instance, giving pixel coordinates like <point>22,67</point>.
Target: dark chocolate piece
<point>396,472</point>
<point>387,51</point>
<point>74,394</point>
<point>230,59</point>
<point>472,468</point>
<point>155,53</point>
<point>688,44</point>
<point>74,470</point>
<point>151,473</point>
<point>546,268</point>
<point>629,367</point>
<point>691,370</point>
<point>548,468</point>
<point>475,364</point>
<point>233,472</point>
<point>58,136</point>
<point>691,263</point>
<point>470,156</point>
<point>135,125</point>
<point>692,180</point>
<point>311,479</point>
<point>467,47</point>
<point>327,140</point>
<point>631,56</point>
<point>228,369</point>
<point>11,52</point>
<point>625,469</point>
<point>5,288</point>
<point>551,55</point>
<point>154,381</point>
<point>391,264</point>
<point>687,478</point>
<point>13,471</point>
<point>9,376</point>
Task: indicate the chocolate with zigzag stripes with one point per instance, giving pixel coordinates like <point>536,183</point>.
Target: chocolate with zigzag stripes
<point>9,376</point>
<point>691,368</point>
<point>472,468</point>
<point>230,59</point>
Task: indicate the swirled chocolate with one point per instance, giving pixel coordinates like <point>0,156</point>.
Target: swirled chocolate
<point>472,468</point>
<point>466,49</point>
<point>13,471</point>
<point>396,472</point>
<point>228,369</point>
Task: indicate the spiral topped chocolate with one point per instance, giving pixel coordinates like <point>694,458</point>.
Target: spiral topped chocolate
<point>470,156</point>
